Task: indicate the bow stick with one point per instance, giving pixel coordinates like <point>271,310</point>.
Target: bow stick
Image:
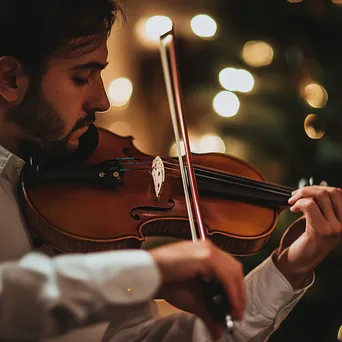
<point>215,297</point>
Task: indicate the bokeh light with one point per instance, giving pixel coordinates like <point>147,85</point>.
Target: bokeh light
<point>237,80</point>
<point>315,95</point>
<point>203,26</point>
<point>120,91</point>
<point>313,127</point>
<point>226,104</point>
<point>173,149</point>
<point>212,143</point>
<point>257,53</point>
<point>149,30</point>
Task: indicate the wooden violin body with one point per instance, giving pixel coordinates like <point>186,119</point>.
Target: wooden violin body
<point>80,216</point>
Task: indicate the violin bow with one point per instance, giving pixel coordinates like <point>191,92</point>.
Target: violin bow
<point>215,297</point>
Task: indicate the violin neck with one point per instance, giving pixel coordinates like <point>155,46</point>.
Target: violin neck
<point>244,190</point>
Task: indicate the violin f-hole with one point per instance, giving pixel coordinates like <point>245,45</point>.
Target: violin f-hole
<point>138,213</point>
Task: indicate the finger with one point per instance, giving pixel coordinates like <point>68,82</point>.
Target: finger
<point>322,197</point>
<point>307,191</point>
<point>325,204</point>
<point>336,199</point>
<point>312,213</point>
<point>295,196</point>
<point>230,273</point>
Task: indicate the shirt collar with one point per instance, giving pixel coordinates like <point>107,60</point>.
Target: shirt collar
<point>10,166</point>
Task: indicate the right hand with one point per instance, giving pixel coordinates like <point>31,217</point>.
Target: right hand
<point>182,265</point>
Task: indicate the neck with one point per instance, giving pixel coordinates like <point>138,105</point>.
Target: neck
<point>9,135</point>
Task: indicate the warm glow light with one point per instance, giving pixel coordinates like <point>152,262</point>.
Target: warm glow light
<point>257,53</point>
<point>315,95</point>
<point>236,147</point>
<point>120,92</point>
<point>122,128</point>
<point>229,78</point>
<point>226,104</point>
<point>337,2</point>
<point>339,334</point>
<point>212,143</point>
<point>313,127</point>
<point>149,30</point>
<point>173,149</point>
<point>157,25</point>
<point>236,80</point>
<point>203,26</point>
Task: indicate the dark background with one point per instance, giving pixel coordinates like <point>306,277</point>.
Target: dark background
<point>307,41</point>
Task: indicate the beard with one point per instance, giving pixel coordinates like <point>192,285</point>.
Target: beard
<point>44,126</point>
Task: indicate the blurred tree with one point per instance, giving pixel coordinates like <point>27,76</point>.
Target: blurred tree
<point>306,37</point>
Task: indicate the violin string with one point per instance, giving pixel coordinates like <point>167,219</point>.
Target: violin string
<point>253,186</point>
<point>224,177</point>
<point>248,184</point>
<point>250,187</point>
<point>245,180</point>
<point>268,185</point>
<point>239,181</point>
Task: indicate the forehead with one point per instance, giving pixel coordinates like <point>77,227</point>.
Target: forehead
<point>96,51</point>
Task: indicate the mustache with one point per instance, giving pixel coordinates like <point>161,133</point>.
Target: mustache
<point>88,119</point>
<point>55,148</point>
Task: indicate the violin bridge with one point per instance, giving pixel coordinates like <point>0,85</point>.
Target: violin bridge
<point>158,175</point>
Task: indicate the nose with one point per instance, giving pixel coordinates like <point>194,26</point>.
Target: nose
<point>99,101</point>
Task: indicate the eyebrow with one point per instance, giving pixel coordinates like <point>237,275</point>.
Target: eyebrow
<point>91,65</point>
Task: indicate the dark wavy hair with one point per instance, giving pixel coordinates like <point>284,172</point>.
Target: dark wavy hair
<point>33,31</point>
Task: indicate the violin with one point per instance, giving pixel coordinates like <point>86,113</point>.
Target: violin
<point>117,196</point>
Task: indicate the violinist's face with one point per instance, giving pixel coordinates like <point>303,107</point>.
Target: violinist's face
<point>58,110</point>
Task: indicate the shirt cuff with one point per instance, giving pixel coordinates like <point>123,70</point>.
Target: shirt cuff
<point>121,277</point>
<point>270,292</point>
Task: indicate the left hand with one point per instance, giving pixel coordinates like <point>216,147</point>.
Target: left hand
<point>307,242</point>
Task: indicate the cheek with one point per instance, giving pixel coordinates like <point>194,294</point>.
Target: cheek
<point>69,106</point>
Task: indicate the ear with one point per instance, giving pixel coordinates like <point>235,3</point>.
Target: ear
<point>13,81</point>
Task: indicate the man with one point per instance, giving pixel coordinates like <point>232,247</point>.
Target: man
<point>51,57</point>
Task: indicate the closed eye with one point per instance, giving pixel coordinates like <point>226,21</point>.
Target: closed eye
<point>80,81</point>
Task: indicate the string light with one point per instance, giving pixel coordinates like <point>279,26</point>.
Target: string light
<point>203,26</point>
<point>237,80</point>
<point>120,92</point>
<point>226,104</point>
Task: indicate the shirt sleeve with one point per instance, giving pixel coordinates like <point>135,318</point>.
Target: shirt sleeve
<point>42,297</point>
<point>270,298</point>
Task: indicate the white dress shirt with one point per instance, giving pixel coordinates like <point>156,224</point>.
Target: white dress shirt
<point>42,296</point>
